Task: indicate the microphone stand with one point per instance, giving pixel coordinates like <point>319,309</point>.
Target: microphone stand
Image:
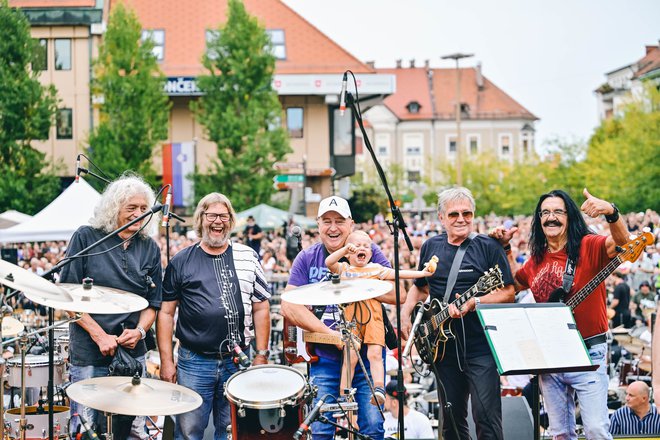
<point>51,312</point>
<point>396,225</point>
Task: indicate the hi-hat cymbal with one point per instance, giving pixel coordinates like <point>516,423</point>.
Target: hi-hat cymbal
<point>329,292</point>
<point>93,299</point>
<point>118,395</point>
<point>27,282</point>
<point>11,327</point>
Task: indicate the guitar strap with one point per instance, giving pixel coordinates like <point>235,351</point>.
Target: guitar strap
<point>456,265</point>
<point>569,274</point>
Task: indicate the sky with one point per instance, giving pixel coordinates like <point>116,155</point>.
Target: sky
<point>548,55</point>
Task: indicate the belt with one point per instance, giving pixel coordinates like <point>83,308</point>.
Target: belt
<point>595,340</point>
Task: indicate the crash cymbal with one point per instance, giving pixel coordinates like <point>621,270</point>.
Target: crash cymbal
<point>406,370</point>
<point>11,327</point>
<point>118,395</point>
<point>27,282</point>
<point>621,330</point>
<point>329,292</point>
<point>431,396</point>
<point>637,349</point>
<point>93,299</point>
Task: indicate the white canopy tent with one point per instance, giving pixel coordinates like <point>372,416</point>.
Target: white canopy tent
<point>57,221</point>
<point>12,218</point>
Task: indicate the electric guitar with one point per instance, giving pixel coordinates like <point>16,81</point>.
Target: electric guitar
<point>627,252</point>
<point>435,328</point>
<point>298,344</point>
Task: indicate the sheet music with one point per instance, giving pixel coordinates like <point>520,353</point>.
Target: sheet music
<point>533,337</point>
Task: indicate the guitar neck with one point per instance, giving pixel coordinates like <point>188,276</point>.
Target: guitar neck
<point>583,293</point>
<point>322,338</point>
<point>443,314</point>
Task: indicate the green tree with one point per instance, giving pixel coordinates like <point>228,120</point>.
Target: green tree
<point>622,159</point>
<point>27,111</point>
<point>241,112</point>
<point>134,112</point>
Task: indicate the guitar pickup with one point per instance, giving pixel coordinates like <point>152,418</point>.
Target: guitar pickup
<point>336,407</point>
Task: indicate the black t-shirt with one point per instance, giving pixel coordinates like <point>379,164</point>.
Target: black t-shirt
<point>482,254</point>
<point>132,269</point>
<point>254,230</point>
<point>622,293</point>
<point>215,295</point>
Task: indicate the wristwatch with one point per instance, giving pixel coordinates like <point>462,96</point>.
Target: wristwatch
<point>265,353</point>
<point>143,334</point>
<point>614,217</point>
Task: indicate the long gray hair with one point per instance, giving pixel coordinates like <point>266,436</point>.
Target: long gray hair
<point>115,196</point>
<point>453,195</point>
<point>203,205</point>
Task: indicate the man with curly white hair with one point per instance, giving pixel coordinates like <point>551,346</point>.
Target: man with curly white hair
<point>129,261</point>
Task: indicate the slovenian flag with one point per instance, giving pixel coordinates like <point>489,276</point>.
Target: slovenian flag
<point>178,166</point>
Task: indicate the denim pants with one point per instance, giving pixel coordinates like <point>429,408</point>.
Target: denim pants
<point>559,391</point>
<point>205,375</point>
<point>326,374</point>
<point>78,373</point>
<point>480,381</point>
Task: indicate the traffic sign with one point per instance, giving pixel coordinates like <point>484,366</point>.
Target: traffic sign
<point>288,178</point>
<point>321,171</point>
<point>287,165</point>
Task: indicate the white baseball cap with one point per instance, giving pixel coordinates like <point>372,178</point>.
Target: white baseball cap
<point>334,203</point>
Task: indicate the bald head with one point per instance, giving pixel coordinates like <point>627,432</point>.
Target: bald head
<point>637,397</point>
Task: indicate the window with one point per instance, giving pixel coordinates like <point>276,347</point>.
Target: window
<point>278,46</point>
<point>294,122</point>
<point>473,144</point>
<point>383,144</point>
<point>41,55</point>
<point>64,123</point>
<point>525,145</point>
<point>451,144</point>
<point>413,107</point>
<point>63,54</point>
<point>382,150</point>
<point>505,145</point>
<point>414,176</point>
<point>211,37</point>
<point>413,151</point>
<point>157,37</point>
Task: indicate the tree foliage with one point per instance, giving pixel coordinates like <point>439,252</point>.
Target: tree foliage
<point>240,112</point>
<point>134,113</point>
<point>27,111</point>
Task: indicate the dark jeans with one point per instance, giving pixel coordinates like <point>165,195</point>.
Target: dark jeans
<point>480,381</point>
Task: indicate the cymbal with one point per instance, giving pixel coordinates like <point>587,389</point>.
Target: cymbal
<point>406,370</point>
<point>623,339</point>
<point>645,366</point>
<point>118,395</point>
<point>11,326</point>
<point>27,282</point>
<point>95,299</point>
<point>637,349</point>
<point>621,330</point>
<point>345,291</point>
<point>431,396</point>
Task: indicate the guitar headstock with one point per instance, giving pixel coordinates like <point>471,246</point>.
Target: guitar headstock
<point>491,280</point>
<point>634,248</point>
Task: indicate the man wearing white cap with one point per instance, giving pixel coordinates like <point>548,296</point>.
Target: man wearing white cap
<point>335,224</point>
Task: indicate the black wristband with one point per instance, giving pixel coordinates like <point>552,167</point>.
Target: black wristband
<point>507,248</point>
<point>614,217</point>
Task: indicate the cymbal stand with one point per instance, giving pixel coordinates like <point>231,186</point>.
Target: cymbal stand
<point>23,340</point>
<point>108,418</point>
<point>5,310</point>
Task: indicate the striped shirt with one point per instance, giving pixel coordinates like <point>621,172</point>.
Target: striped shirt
<point>625,421</point>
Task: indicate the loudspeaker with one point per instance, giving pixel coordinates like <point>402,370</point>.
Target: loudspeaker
<point>517,421</point>
<point>10,255</point>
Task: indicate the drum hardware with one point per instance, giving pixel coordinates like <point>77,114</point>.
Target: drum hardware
<point>337,407</point>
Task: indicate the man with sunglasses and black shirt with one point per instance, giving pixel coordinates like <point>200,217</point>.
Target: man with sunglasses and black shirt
<point>558,233</point>
<point>221,293</point>
<point>464,365</point>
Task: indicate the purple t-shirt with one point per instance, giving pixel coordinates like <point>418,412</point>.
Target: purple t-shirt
<point>309,267</point>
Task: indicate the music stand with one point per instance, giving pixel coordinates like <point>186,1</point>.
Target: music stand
<point>534,339</point>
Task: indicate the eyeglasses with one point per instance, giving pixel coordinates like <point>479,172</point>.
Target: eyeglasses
<point>557,213</point>
<point>212,216</point>
<point>467,215</point>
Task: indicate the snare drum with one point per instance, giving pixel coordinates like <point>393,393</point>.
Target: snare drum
<point>36,370</point>
<point>37,424</point>
<point>266,400</point>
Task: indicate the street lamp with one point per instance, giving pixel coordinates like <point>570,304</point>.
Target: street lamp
<point>457,56</point>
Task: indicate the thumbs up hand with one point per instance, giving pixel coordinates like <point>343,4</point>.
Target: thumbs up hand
<point>593,206</point>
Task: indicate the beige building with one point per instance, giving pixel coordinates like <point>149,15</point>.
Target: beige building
<point>308,78</point>
<point>416,126</point>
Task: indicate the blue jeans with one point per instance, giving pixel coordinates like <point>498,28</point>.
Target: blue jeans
<point>326,375</point>
<point>205,375</point>
<point>559,391</point>
<point>78,373</point>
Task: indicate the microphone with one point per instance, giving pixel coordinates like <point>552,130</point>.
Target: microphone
<point>313,414</point>
<point>89,432</point>
<point>240,358</point>
<point>77,169</point>
<point>166,208</point>
<point>342,95</point>
<point>413,330</point>
<point>296,231</point>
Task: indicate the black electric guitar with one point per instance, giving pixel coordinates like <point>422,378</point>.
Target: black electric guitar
<point>435,327</point>
<point>627,252</point>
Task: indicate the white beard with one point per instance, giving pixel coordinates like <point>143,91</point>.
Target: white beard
<point>214,243</point>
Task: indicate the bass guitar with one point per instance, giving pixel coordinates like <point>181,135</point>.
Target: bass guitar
<point>627,252</point>
<point>435,327</point>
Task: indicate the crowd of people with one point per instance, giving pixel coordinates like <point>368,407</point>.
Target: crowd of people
<point>226,277</point>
